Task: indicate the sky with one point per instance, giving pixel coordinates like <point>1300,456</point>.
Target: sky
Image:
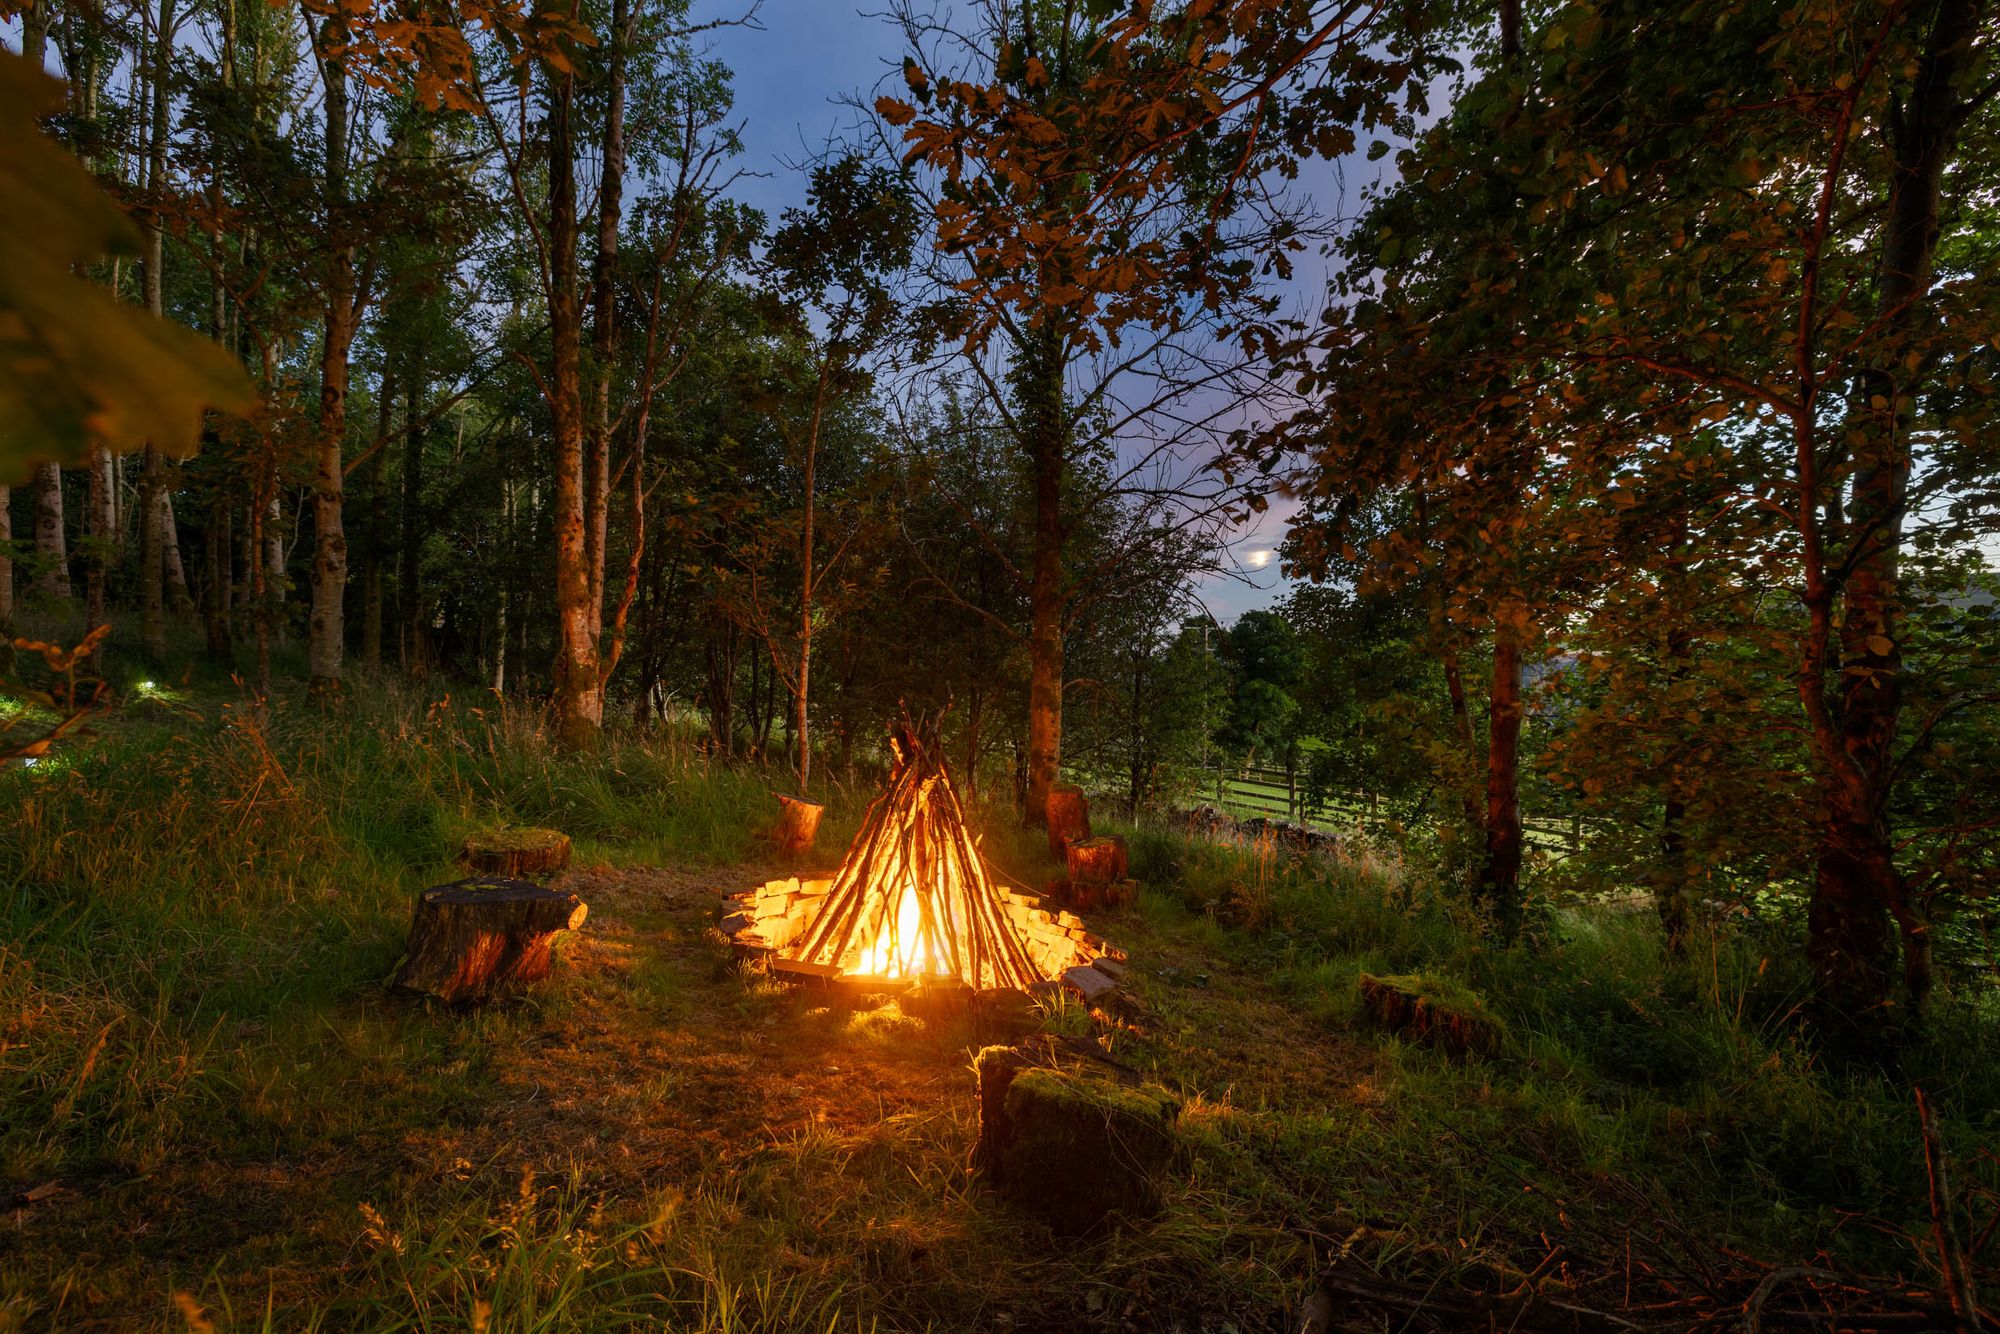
<point>789,71</point>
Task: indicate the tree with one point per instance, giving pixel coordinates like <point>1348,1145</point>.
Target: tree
<point>1097,199</point>
<point>1655,268</point>
<point>831,261</point>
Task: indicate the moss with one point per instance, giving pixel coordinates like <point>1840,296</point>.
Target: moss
<point>1433,1010</point>
<point>516,840</point>
<point>1075,1149</point>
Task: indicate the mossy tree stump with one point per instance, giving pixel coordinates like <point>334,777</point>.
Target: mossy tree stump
<point>515,852</point>
<point>1068,816</point>
<point>474,939</point>
<point>1074,1148</point>
<point>798,824</point>
<point>1430,1011</point>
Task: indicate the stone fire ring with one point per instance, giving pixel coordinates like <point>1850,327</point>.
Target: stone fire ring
<point>762,922</point>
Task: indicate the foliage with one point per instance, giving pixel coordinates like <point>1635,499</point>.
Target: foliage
<point>77,370</point>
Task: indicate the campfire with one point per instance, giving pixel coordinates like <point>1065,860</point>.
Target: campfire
<point>913,904</point>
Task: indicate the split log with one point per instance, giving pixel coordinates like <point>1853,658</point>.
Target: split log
<point>1069,817</point>
<point>475,938</point>
<point>515,852</point>
<point>798,824</point>
<point>1097,861</point>
<point>1075,1148</point>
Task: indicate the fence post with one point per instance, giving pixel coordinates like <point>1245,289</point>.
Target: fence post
<point>1292,811</point>
<point>1575,834</point>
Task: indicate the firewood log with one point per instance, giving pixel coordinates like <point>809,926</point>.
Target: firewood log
<point>1097,861</point>
<point>798,824</point>
<point>1069,817</point>
<point>473,939</point>
<point>515,852</point>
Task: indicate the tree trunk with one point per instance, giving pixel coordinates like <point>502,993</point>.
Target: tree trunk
<point>152,534</point>
<point>409,574</point>
<point>802,687</point>
<point>6,554</point>
<point>375,549</point>
<point>96,574</point>
<point>1046,445</point>
<point>170,541</point>
<point>215,618</point>
<point>1500,871</point>
<point>579,692</point>
<point>326,639</point>
<point>51,551</point>
<point>604,313</point>
<point>1857,887</point>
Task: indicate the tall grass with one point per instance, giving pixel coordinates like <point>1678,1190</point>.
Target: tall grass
<point>1697,1076</point>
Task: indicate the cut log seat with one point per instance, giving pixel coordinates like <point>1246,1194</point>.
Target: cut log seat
<point>1079,1146</point>
<point>1068,816</point>
<point>1098,861</point>
<point>515,852</point>
<point>798,824</point>
<point>473,939</point>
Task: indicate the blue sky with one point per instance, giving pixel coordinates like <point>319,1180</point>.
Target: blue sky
<point>789,73</point>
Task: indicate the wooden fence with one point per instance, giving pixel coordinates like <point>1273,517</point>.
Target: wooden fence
<point>1280,794</point>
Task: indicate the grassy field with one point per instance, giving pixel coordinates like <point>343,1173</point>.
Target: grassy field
<point>212,1115</point>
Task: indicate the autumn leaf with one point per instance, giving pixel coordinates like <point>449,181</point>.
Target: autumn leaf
<point>78,368</point>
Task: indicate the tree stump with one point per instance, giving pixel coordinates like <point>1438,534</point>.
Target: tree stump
<point>475,938</point>
<point>1069,817</point>
<point>1097,861</point>
<point>1074,1147</point>
<point>1426,1010</point>
<point>1091,895</point>
<point>515,852</point>
<point>798,824</point>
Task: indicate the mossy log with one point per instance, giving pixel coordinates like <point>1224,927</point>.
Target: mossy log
<point>1097,861</point>
<point>1077,1149</point>
<point>515,852</point>
<point>473,939</point>
<point>1069,818</point>
<point>1426,1010</point>
<point>798,824</point>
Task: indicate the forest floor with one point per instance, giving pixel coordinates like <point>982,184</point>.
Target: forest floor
<point>212,1114</point>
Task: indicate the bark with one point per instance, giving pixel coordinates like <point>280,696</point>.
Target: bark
<point>516,852</point>
<point>217,581</point>
<point>152,534</point>
<point>802,685</point>
<point>1858,888</point>
<point>477,937</point>
<point>1046,444</point>
<point>327,636</point>
<point>604,313</point>
<point>409,575</point>
<point>99,515</point>
<point>375,549</point>
<point>51,551</point>
<point>579,691</point>
<point>170,539</point>
<point>6,554</point>
<point>1500,871</point>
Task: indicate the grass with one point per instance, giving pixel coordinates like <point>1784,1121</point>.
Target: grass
<point>199,904</point>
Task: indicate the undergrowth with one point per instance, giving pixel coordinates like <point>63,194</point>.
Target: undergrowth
<point>198,905</point>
